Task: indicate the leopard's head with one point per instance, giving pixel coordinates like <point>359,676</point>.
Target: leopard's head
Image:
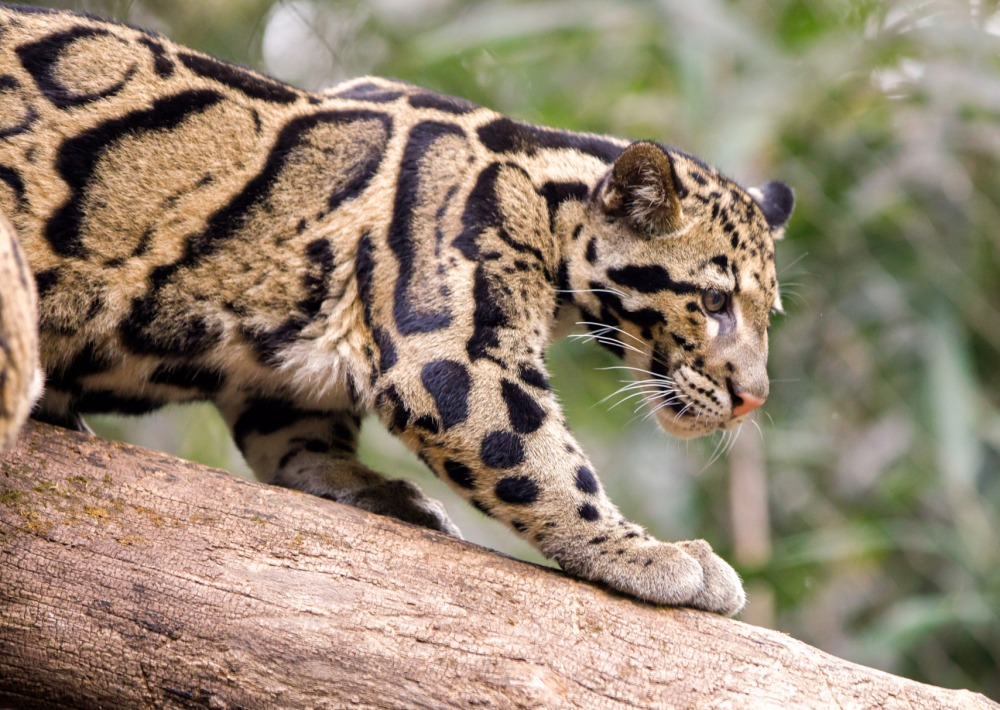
<point>674,270</point>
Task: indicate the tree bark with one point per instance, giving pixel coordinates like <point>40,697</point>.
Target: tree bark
<point>129,578</point>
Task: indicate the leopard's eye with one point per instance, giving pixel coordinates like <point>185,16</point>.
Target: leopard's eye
<point>714,301</point>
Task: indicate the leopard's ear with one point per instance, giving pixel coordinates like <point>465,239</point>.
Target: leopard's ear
<point>776,200</point>
<point>642,188</point>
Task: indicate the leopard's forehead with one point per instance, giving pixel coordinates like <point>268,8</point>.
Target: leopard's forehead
<point>736,242</point>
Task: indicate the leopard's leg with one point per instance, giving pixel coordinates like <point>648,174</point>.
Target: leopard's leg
<point>55,408</point>
<point>315,451</point>
<point>499,438</point>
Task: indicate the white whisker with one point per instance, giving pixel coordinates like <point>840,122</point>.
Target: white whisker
<point>638,369</point>
<point>605,326</point>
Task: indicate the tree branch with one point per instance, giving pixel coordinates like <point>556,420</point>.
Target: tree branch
<point>129,578</point>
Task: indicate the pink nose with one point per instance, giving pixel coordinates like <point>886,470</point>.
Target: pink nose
<point>744,403</point>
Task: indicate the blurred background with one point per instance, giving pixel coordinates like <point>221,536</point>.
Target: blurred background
<point>865,512</point>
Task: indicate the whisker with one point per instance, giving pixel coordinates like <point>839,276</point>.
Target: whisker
<point>625,399</point>
<point>644,386</point>
<point>606,340</point>
<point>716,452</point>
<point>638,369</point>
<point>793,262</point>
<point>736,435</point>
<point>605,326</point>
<point>663,405</point>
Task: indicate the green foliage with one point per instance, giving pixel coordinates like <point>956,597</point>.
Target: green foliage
<point>881,441</point>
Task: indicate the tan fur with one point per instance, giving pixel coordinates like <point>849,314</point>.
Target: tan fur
<point>20,383</point>
<point>198,231</point>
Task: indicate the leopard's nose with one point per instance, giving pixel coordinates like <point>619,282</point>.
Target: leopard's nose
<point>744,403</point>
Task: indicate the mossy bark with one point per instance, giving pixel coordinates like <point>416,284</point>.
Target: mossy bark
<point>129,578</point>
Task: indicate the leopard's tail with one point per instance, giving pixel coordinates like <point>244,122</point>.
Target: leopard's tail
<point>20,375</point>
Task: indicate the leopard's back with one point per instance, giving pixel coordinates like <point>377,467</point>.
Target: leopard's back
<point>185,219</point>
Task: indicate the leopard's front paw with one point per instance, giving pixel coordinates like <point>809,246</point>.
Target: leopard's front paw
<point>677,574</point>
<point>402,500</point>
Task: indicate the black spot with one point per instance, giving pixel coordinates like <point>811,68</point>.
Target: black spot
<point>449,384</point>
<point>315,280</point>
<point>481,507</point>
<point>368,91</point>
<point>589,512</point>
<point>459,473</point>
<point>288,456</point>
<point>586,481</point>
<point>316,446</point>
<point>108,401</point>
<point>525,414</point>
<point>161,62</point>
<point>207,380</point>
<point>10,177</point>
<point>649,279</point>
<point>487,317</point>
<point>555,193</point>
<point>533,377</point>
<point>250,83</point>
<point>88,361</point>
<point>721,261</point>
<point>507,136</point>
<point>517,490</point>
<point>345,432</point>
<point>393,410</point>
<point>267,415</point>
<point>42,57</point>
<point>591,253</point>
<point>519,526</point>
<point>440,102</point>
<point>387,356</point>
<point>501,449</point>
<point>45,280</point>
<point>364,270</point>
<point>685,344</point>
<point>410,318</point>
<point>599,539</point>
<point>188,338</point>
<point>427,423</point>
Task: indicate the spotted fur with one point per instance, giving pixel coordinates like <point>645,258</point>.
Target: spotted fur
<point>198,231</point>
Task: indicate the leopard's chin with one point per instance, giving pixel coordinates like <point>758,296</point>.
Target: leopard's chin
<point>687,426</point>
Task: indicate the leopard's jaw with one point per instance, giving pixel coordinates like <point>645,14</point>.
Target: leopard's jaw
<point>201,232</point>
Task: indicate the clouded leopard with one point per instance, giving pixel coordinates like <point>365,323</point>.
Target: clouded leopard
<point>198,231</point>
